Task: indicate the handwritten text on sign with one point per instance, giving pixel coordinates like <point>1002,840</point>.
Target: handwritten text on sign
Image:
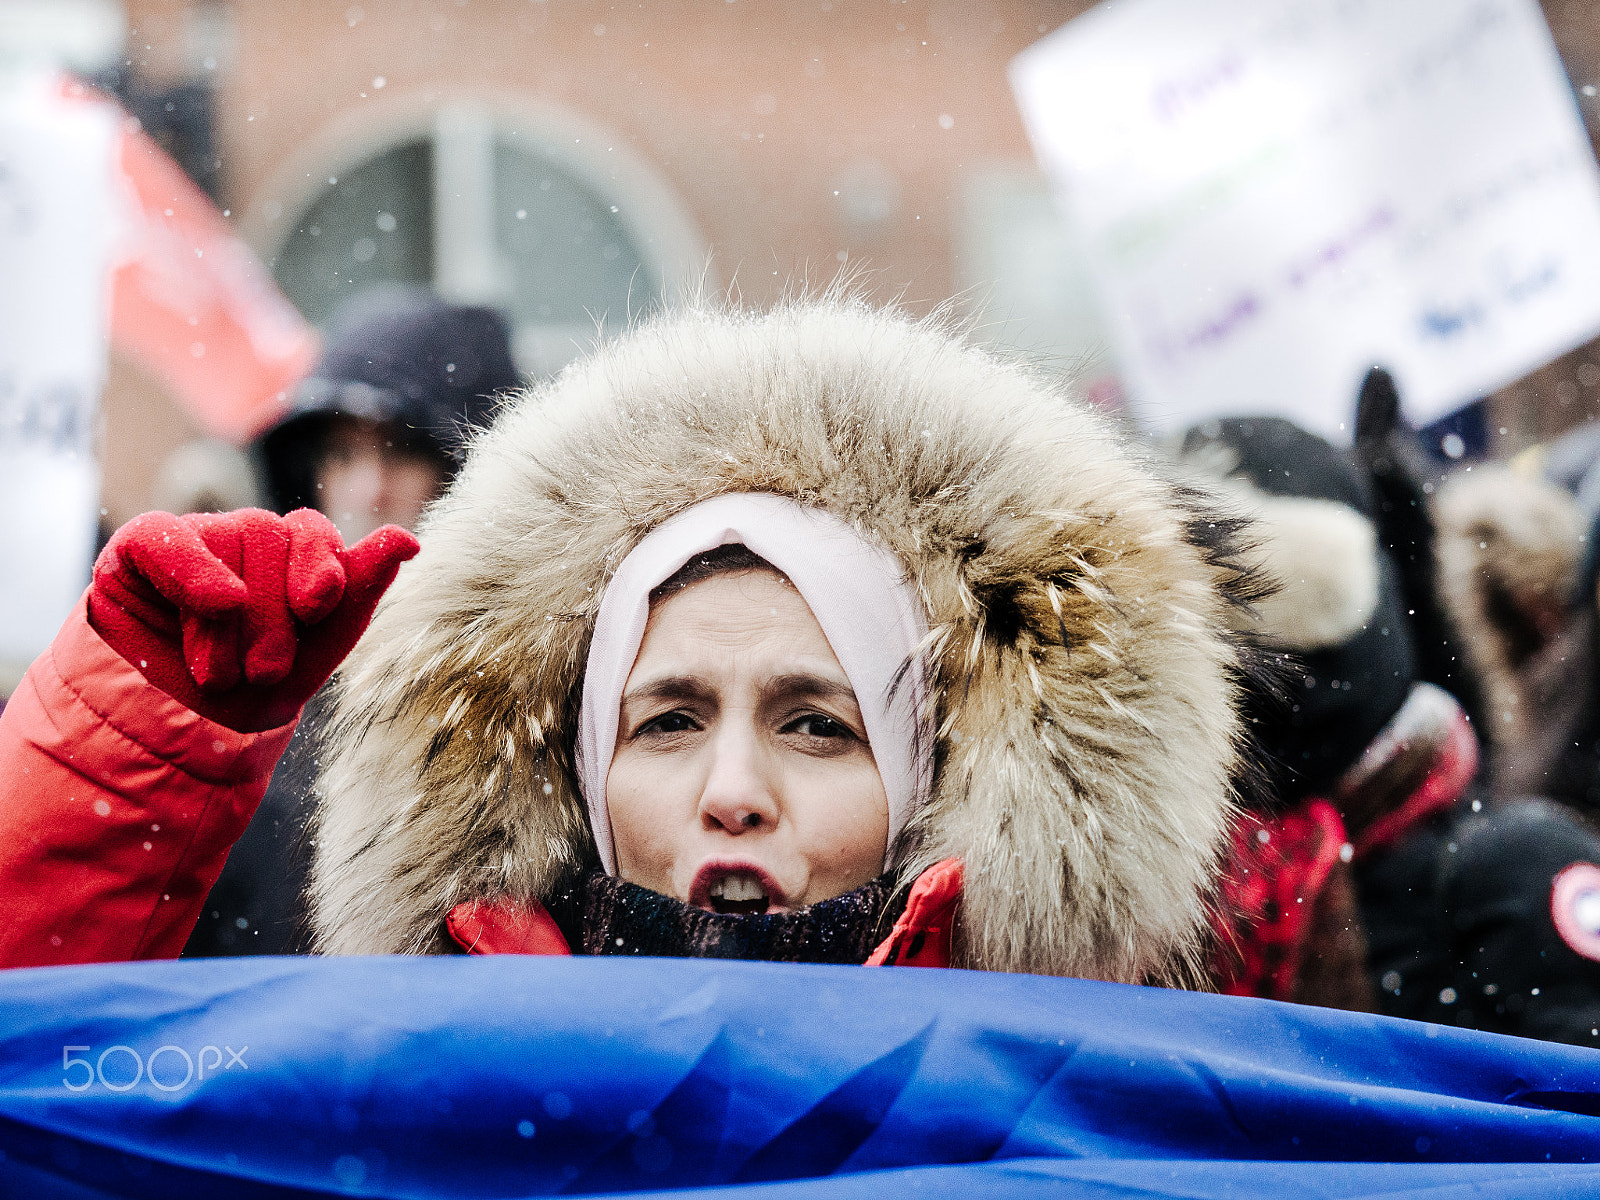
<point>55,231</point>
<point>1274,197</point>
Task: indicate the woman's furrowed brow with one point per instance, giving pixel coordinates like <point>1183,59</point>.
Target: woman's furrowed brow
<point>803,683</point>
<point>692,688</point>
<point>670,687</point>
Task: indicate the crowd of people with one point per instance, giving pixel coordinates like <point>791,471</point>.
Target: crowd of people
<point>821,634</point>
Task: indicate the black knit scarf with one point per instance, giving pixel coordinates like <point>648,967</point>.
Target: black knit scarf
<point>601,914</point>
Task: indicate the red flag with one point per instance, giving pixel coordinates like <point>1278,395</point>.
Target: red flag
<point>192,304</point>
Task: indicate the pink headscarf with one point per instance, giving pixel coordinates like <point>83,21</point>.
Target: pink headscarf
<point>857,591</point>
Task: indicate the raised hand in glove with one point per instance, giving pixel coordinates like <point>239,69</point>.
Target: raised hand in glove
<point>240,616</point>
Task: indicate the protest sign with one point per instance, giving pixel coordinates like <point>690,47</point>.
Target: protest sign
<point>55,243</point>
<point>1272,198</point>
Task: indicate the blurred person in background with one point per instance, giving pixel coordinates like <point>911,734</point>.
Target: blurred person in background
<point>1511,551</point>
<point>376,432</point>
<point>1554,695</point>
<point>371,438</point>
<point>1384,878</point>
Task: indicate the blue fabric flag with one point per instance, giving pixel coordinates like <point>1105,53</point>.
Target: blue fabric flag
<point>513,1076</point>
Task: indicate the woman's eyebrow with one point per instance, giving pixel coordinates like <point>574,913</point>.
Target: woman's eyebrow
<point>670,687</point>
<point>802,683</point>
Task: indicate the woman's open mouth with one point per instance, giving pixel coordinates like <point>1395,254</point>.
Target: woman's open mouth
<point>740,889</point>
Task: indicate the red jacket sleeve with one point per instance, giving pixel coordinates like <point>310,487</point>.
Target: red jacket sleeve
<point>118,807</point>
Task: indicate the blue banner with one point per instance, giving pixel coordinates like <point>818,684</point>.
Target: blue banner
<point>513,1076</point>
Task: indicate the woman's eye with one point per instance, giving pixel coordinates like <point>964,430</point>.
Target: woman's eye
<point>817,725</point>
<point>672,722</point>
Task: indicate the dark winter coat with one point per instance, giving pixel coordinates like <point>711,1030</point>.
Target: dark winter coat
<point>258,903</point>
<point>1462,922</point>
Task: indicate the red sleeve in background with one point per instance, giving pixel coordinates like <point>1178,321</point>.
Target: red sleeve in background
<point>118,807</point>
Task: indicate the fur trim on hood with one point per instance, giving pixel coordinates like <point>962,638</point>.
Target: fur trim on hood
<point>1509,549</point>
<point>1083,678</point>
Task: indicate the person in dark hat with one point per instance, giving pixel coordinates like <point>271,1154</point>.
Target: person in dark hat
<point>375,432</point>
<point>371,438</point>
<point>1384,877</point>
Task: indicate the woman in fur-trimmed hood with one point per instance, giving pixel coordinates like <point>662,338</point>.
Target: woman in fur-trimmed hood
<point>1079,681</point>
<point>814,635</point>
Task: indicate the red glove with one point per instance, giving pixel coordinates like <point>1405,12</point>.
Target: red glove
<point>240,616</point>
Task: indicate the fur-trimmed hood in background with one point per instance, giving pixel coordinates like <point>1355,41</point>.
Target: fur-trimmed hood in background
<point>1510,553</point>
<point>1509,550</point>
<point>1078,659</point>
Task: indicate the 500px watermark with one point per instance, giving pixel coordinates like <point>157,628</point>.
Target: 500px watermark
<point>81,1070</point>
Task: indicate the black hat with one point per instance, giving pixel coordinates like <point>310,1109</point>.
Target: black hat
<point>402,357</point>
<point>1339,627</point>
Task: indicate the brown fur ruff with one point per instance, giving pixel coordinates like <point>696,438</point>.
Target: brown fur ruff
<point>1509,548</point>
<point>1083,680</point>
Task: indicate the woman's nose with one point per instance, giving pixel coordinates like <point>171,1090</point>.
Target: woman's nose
<point>738,795</point>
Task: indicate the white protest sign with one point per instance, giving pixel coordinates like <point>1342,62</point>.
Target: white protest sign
<point>1273,197</point>
<point>55,238</point>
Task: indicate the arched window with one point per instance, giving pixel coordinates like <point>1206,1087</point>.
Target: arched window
<point>541,219</point>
